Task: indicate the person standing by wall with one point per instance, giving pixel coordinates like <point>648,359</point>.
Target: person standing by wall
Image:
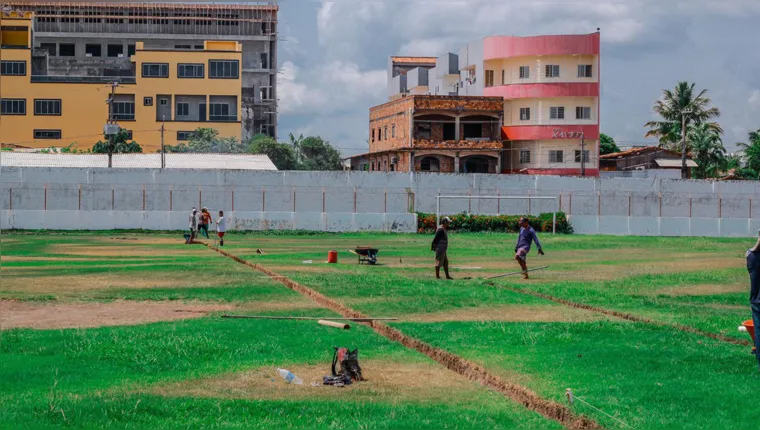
<point>193,221</point>
<point>441,245</point>
<point>524,240</point>
<point>753,267</point>
<point>221,227</point>
<point>204,221</point>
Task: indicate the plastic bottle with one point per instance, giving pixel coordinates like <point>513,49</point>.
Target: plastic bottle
<point>289,377</point>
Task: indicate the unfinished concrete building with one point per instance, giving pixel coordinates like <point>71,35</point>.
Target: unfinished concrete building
<point>98,39</point>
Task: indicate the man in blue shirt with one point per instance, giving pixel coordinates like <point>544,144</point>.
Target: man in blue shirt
<point>524,239</point>
<point>753,267</point>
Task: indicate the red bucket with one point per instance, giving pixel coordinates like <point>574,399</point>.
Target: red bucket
<point>332,258</point>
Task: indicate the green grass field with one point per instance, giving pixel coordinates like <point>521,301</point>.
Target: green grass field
<point>123,330</point>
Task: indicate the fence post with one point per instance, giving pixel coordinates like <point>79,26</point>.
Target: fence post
<point>45,202</point>
<point>386,201</point>
<point>10,197</point>
<point>233,200</point>
<point>323,199</point>
<point>354,199</point>
<point>498,202</point>
<point>79,205</point>
<point>294,199</point>
<point>113,197</point>
<point>469,202</point>
<point>171,198</point>
<point>263,199</point>
<point>143,197</point>
<point>200,198</point>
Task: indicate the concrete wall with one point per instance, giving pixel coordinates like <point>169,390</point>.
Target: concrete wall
<point>66,198</point>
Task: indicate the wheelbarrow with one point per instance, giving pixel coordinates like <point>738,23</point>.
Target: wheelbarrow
<point>366,254</point>
<point>749,327</point>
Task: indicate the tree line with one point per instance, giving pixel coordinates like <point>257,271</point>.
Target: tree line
<point>688,125</point>
<point>300,153</point>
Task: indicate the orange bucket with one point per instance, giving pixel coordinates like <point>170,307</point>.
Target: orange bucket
<point>750,326</point>
<point>332,258</point>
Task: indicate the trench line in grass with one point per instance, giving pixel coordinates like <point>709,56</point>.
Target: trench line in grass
<point>625,316</point>
<point>453,362</point>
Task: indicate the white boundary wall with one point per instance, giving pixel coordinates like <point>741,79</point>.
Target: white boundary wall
<point>71,198</point>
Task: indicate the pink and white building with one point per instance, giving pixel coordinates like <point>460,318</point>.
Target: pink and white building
<point>550,86</point>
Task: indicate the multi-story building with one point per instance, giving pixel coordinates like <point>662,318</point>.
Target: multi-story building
<point>179,89</point>
<point>98,38</point>
<point>548,91</point>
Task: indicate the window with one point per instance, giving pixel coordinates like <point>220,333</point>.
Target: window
<point>582,112</point>
<point>585,71</point>
<point>586,156</point>
<point>524,114</point>
<point>221,112</point>
<point>47,107</point>
<point>524,156</point>
<point>556,156</point>
<point>423,130</point>
<point>183,109</point>
<point>223,69</point>
<point>199,47</point>
<point>525,72</point>
<point>92,50</point>
<point>67,50</point>
<point>116,50</point>
<point>489,78</point>
<point>50,48</point>
<point>552,71</point>
<point>385,133</point>
<point>190,70</point>
<point>183,47</point>
<point>557,112</point>
<point>503,80</point>
<point>155,70</point>
<point>373,134</point>
<point>184,135</point>
<point>430,164</point>
<point>130,50</point>
<point>47,134</point>
<point>147,101</point>
<point>393,131</point>
<point>449,131</point>
<point>124,111</point>
<point>13,68</point>
<point>163,102</point>
<point>13,106</point>
<point>128,134</point>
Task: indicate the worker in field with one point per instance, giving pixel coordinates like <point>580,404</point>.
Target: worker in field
<point>193,222</point>
<point>204,221</point>
<point>753,266</point>
<point>524,240</point>
<point>440,246</point>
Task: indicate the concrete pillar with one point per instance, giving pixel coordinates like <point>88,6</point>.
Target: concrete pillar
<point>500,154</point>
<point>456,155</point>
<point>411,161</point>
<point>456,131</point>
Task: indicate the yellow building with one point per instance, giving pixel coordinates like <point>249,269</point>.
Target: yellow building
<point>186,89</point>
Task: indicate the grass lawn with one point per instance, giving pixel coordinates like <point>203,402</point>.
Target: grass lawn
<point>123,330</point>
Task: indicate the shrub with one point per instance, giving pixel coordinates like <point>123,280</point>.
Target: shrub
<point>500,223</point>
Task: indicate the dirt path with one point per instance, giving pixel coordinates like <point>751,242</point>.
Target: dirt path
<point>472,371</point>
<point>88,315</point>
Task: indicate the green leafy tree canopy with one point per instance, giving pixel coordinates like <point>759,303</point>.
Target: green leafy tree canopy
<point>281,154</point>
<point>607,145</point>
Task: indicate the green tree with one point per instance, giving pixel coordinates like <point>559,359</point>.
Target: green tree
<point>317,154</point>
<point>607,145</point>
<point>707,151</point>
<point>118,144</point>
<point>751,155</point>
<point>683,104</point>
<point>281,154</point>
<point>296,142</point>
<point>207,140</point>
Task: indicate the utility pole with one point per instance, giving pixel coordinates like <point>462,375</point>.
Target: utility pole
<point>684,169</point>
<point>583,154</point>
<point>110,129</point>
<point>163,151</point>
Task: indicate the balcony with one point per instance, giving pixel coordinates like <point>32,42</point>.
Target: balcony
<point>222,118</point>
<point>84,79</point>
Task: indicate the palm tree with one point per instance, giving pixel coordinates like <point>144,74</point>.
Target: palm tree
<point>707,150</point>
<point>297,145</point>
<point>752,152</point>
<point>679,109</point>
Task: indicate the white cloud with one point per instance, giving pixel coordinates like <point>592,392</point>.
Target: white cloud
<point>295,96</point>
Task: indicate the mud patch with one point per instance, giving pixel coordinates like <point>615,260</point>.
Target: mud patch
<point>88,315</point>
<point>701,290</point>
<point>392,382</point>
<point>510,313</point>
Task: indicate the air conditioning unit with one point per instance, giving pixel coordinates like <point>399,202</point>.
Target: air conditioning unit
<point>394,160</point>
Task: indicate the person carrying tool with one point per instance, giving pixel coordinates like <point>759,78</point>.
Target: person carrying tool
<point>753,267</point>
<point>193,221</point>
<point>204,221</point>
<point>441,245</point>
<point>524,239</point>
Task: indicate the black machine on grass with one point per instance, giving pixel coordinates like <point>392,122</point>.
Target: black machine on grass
<point>366,254</point>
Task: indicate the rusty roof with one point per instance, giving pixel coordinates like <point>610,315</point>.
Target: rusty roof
<point>159,5</point>
<point>415,60</point>
<point>637,151</point>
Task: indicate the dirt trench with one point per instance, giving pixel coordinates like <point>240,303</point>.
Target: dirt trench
<point>472,371</point>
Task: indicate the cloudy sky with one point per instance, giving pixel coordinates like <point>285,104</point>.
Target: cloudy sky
<point>333,61</point>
